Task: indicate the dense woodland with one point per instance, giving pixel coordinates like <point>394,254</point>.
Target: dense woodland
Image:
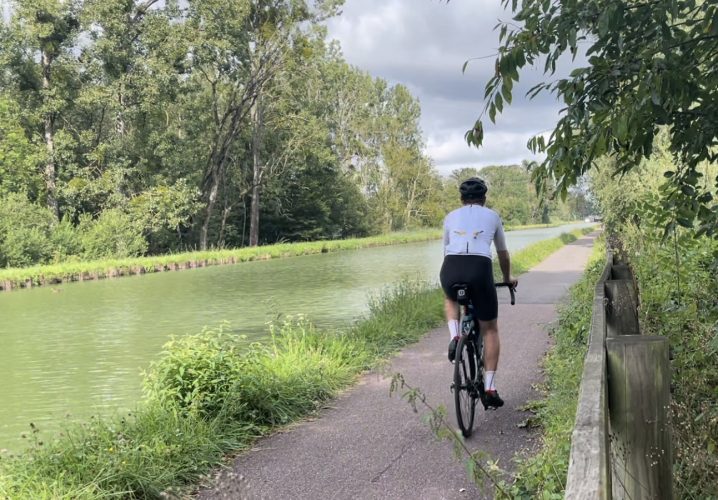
<point>134,127</point>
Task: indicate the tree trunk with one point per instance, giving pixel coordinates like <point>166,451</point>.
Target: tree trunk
<point>50,169</point>
<point>412,198</point>
<point>223,226</point>
<point>211,200</point>
<point>244,220</point>
<point>256,116</point>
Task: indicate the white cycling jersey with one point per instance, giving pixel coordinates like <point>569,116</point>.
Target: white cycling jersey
<point>469,230</point>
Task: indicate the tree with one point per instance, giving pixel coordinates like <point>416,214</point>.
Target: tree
<point>161,125</point>
<point>19,158</point>
<point>37,48</point>
<point>510,194</point>
<point>651,65</point>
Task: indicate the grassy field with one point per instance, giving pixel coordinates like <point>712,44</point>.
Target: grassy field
<point>211,394</point>
<point>13,278</point>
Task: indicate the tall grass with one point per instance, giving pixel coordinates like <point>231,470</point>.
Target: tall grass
<point>211,393</point>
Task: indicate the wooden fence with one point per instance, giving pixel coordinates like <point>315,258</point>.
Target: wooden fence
<point>621,442</point>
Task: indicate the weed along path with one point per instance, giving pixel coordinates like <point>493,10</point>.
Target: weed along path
<point>370,445</point>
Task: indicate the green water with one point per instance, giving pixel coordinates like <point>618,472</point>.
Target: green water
<point>78,349</point>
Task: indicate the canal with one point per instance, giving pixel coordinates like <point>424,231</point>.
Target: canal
<point>77,349</point>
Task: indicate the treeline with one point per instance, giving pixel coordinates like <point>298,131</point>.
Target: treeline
<point>130,128</point>
<point>512,194</point>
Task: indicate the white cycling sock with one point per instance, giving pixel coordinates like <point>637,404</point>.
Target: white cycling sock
<point>489,381</point>
<point>453,328</point>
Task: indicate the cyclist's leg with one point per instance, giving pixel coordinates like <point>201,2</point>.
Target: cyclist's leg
<point>490,332</point>
<point>487,308</point>
<point>451,309</point>
<point>492,346</point>
<point>450,274</point>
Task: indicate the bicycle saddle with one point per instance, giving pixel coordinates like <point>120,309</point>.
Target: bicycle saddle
<point>462,293</point>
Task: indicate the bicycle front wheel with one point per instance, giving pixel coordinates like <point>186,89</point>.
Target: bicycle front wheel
<point>464,385</point>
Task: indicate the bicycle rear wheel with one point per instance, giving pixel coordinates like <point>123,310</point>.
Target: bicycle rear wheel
<point>464,385</point>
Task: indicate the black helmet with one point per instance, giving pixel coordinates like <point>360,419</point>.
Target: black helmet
<point>473,189</point>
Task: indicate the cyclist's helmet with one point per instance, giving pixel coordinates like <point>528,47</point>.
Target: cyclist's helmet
<point>473,189</point>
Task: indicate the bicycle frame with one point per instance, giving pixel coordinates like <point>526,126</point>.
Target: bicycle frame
<point>469,361</point>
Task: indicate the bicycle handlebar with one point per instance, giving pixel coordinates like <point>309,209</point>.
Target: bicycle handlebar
<point>512,290</point>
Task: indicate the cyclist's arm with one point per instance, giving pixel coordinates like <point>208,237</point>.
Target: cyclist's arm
<point>446,236</point>
<point>502,251</point>
<point>505,264</point>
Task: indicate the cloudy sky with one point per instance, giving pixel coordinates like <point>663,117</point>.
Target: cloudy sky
<point>423,44</point>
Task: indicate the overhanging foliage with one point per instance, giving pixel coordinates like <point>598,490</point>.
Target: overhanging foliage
<point>651,65</point>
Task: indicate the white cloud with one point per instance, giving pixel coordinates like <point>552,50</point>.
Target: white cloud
<point>423,45</point>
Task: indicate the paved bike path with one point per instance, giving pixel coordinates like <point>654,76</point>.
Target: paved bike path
<point>369,445</point>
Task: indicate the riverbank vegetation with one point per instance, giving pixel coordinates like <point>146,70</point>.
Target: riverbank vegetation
<point>146,128</point>
<point>110,268</point>
<point>211,393</point>
<point>27,277</point>
<point>677,273</point>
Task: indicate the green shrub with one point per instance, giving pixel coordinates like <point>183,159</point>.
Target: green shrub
<point>196,373</point>
<point>65,240</point>
<point>112,235</point>
<point>678,300</point>
<point>23,246</point>
<point>25,228</point>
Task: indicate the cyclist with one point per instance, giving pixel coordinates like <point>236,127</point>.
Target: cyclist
<point>468,233</point>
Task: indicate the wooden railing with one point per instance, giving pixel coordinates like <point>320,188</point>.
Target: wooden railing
<point>621,442</point>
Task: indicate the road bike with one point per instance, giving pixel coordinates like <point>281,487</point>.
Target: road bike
<point>468,385</point>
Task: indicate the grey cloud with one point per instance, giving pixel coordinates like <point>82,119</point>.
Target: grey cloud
<point>423,45</point>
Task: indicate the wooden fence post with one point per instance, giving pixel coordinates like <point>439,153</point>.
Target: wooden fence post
<point>638,401</point>
<point>621,272</point>
<point>621,308</point>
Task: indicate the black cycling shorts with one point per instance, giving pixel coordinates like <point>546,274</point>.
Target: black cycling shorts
<point>477,271</point>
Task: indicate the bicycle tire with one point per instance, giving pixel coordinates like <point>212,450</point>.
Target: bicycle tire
<point>465,395</point>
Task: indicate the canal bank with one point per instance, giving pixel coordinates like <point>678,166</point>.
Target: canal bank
<point>78,351</point>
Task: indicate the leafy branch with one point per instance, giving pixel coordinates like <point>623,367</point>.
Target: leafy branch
<point>436,419</point>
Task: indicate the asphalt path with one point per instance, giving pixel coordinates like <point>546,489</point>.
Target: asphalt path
<point>369,445</point>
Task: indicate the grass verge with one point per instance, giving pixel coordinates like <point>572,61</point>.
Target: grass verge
<point>111,268</point>
<point>543,475</point>
<point>524,260</point>
<point>210,394</point>
<point>42,275</point>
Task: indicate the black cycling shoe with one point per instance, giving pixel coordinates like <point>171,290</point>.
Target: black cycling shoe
<point>491,399</point>
<point>452,348</point>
